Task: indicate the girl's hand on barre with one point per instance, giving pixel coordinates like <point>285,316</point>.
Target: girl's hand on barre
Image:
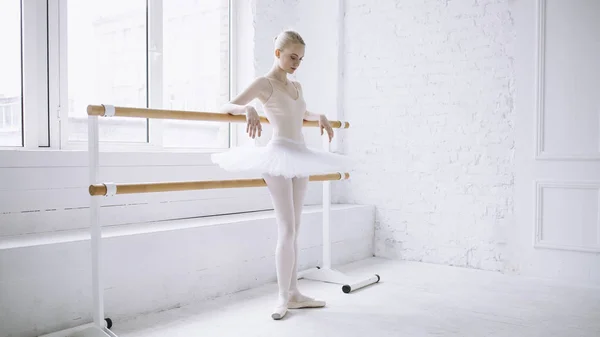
<point>324,124</point>
<point>253,122</point>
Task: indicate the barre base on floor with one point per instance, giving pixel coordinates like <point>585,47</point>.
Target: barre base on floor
<point>85,330</point>
<point>328,275</point>
<point>94,332</point>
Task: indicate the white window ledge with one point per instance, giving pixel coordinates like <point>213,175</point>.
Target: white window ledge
<point>38,239</point>
<point>65,158</point>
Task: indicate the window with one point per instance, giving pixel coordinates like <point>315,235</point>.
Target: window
<point>106,64</point>
<point>57,57</point>
<point>196,69</point>
<point>11,98</point>
<point>149,53</point>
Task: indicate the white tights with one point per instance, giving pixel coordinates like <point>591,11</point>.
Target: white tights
<point>287,195</point>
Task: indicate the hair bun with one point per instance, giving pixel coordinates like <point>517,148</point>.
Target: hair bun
<point>287,37</point>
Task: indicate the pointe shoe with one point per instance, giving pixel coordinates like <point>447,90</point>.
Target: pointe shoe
<point>279,312</point>
<point>310,303</point>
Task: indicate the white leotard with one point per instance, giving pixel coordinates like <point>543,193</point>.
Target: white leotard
<point>285,113</point>
<point>286,153</point>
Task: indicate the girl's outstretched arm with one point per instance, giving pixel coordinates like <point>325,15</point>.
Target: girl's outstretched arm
<point>259,88</point>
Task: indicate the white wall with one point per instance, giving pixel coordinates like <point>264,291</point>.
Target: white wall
<point>429,89</point>
<point>557,232</point>
<point>319,24</point>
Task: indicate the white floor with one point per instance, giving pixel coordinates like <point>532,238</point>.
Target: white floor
<point>412,299</point>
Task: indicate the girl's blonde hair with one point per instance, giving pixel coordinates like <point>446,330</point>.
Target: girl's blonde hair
<point>286,38</point>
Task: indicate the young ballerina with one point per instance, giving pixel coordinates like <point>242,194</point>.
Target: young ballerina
<point>285,163</point>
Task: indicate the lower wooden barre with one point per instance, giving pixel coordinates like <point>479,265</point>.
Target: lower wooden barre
<point>101,189</point>
<point>99,110</point>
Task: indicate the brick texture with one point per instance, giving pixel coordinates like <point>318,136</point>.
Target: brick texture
<point>429,90</point>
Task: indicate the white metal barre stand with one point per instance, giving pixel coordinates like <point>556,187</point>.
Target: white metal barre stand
<point>100,326</point>
<point>326,273</point>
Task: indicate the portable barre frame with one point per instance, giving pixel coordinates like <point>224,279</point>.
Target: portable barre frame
<point>100,327</point>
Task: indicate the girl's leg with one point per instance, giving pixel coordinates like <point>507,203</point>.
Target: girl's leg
<point>297,299</point>
<point>280,190</point>
<point>299,186</point>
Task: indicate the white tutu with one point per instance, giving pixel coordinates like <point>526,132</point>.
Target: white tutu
<point>282,157</point>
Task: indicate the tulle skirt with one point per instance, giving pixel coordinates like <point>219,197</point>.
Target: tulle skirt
<point>282,157</point>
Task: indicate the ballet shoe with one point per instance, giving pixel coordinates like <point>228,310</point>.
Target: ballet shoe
<point>299,301</point>
<point>311,303</point>
<point>279,312</point>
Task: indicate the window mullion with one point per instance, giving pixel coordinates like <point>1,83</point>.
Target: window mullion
<point>233,64</point>
<point>35,92</point>
<point>155,68</point>
<point>57,72</point>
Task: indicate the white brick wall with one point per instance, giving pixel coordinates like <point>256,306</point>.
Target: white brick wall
<point>429,89</point>
<point>270,18</point>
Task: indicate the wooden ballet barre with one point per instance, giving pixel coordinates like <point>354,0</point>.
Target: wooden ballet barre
<point>109,111</point>
<point>103,189</point>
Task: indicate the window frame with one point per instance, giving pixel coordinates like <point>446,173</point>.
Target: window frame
<point>45,123</point>
<point>34,133</point>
